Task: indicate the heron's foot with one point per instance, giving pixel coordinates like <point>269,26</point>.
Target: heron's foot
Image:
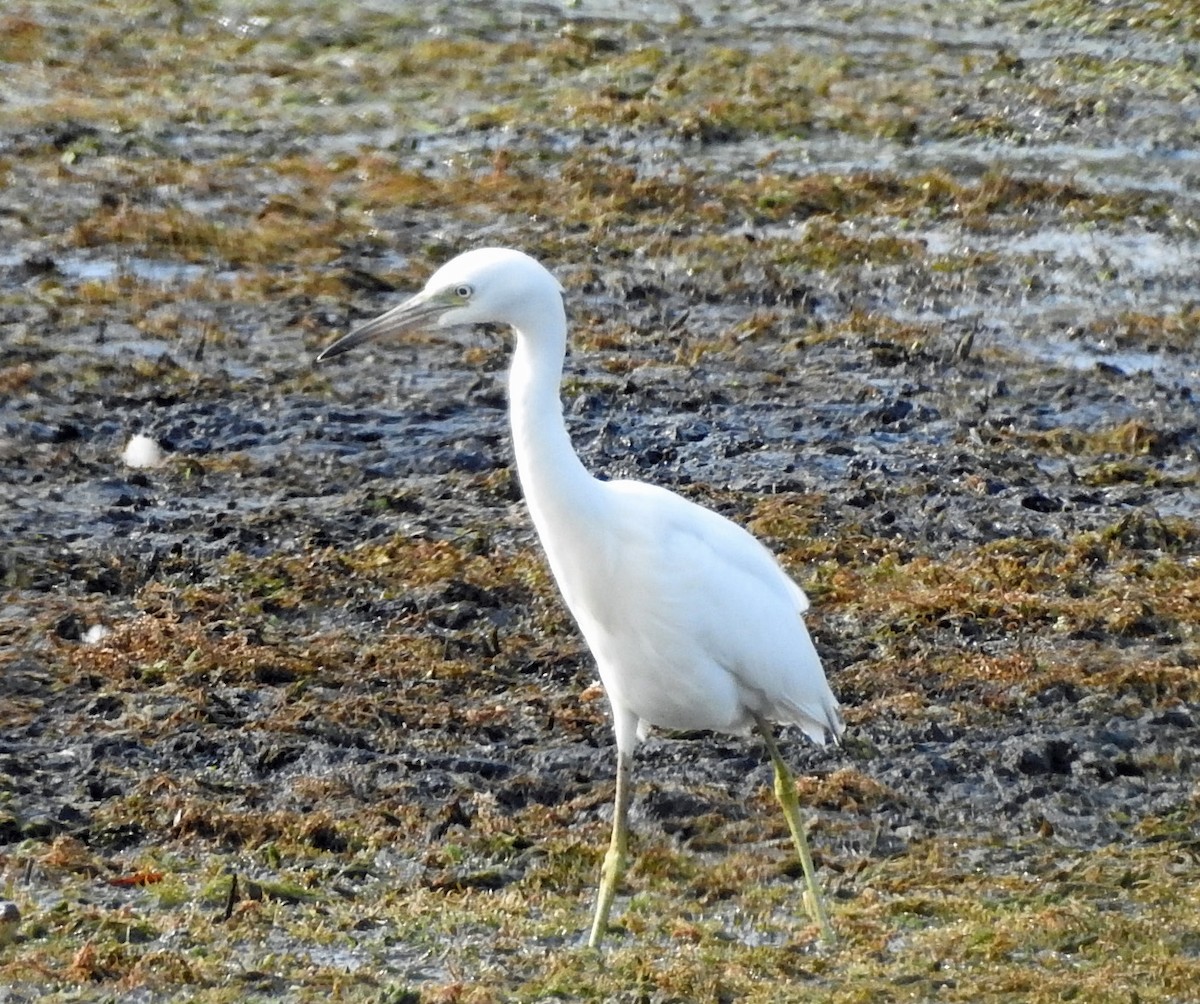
<point>610,875</point>
<point>815,909</point>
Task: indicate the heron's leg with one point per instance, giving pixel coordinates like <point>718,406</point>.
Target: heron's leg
<point>614,860</point>
<point>785,791</point>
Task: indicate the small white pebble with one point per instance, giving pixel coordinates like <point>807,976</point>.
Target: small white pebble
<point>97,632</point>
<point>142,451</point>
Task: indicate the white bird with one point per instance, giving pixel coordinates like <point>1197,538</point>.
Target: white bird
<point>692,622</point>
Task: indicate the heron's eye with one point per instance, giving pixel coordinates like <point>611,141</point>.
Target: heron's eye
<point>463,292</point>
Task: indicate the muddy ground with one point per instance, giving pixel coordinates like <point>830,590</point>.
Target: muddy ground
<point>910,291</point>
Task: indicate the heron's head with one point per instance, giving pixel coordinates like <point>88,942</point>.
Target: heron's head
<point>487,286</point>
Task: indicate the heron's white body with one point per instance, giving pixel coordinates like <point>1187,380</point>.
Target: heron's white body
<point>693,623</point>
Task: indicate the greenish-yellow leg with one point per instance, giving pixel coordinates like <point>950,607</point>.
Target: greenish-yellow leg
<point>614,860</point>
<point>785,791</point>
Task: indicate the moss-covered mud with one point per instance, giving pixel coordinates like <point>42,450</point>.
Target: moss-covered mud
<point>910,289</point>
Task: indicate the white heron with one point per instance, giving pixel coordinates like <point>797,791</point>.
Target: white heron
<point>692,621</point>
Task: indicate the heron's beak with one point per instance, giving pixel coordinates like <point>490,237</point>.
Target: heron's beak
<point>413,313</point>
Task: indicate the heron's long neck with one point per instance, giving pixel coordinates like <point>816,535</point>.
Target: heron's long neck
<point>557,487</point>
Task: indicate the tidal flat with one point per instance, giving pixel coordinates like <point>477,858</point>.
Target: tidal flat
<point>909,289</point>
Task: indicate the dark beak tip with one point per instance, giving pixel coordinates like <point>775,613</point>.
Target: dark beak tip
<point>332,351</point>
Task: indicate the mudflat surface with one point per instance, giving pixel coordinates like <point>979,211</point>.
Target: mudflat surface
<point>909,290</point>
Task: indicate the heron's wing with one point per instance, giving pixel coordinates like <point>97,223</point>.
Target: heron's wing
<point>700,574</point>
<point>720,559</point>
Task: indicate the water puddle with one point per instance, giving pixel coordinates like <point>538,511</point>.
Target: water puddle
<point>140,268</point>
<point>81,268</point>
<point>1082,356</point>
<point>1055,282</point>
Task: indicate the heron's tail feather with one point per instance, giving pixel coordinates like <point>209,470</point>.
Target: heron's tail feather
<point>819,721</point>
